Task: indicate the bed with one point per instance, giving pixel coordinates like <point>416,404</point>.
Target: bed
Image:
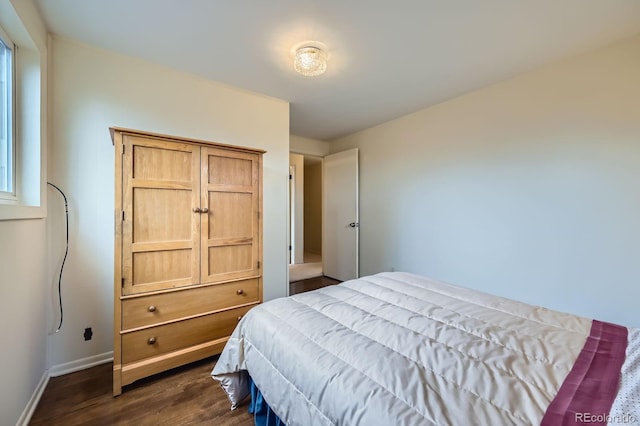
<point>401,349</point>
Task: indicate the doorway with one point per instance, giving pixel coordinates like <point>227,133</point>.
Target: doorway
<point>305,195</point>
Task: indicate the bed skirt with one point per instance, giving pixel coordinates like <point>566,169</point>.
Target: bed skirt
<point>263,415</point>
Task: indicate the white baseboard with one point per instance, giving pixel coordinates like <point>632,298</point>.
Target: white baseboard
<point>80,364</point>
<point>55,371</point>
<point>25,417</point>
<point>59,370</point>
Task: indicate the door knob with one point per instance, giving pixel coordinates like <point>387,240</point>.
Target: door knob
<point>354,225</point>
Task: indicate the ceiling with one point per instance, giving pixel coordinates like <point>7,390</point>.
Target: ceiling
<point>387,58</point>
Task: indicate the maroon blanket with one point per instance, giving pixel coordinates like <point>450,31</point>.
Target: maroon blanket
<point>588,392</point>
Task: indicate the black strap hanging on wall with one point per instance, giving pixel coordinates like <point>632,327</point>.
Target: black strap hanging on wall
<point>66,252</point>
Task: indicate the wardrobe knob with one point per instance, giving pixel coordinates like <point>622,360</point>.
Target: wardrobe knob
<point>196,210</point>
<point>151,341</point>
<point>151,308</point>
<point>205,210</point>
<point>240,291</point>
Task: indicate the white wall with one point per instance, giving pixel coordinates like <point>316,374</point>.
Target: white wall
<point>527,189</point>
<point>24,288</point>
<point>309,146</point>
<point>94,89</point>
<point>23,309</point>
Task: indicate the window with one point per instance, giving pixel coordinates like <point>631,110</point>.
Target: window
<point>23,88</point>
<point>6,116</point>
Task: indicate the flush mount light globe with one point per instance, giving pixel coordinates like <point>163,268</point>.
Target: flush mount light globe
<point>310,61</point>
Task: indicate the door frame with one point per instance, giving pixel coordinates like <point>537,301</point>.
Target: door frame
<point>297,207</point>
<point>291,214</point>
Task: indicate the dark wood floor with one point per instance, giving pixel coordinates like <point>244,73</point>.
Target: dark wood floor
<point>183,396</point>
<point>310,284</point>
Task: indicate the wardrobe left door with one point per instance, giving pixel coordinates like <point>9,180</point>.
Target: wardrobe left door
<point>161,215</point>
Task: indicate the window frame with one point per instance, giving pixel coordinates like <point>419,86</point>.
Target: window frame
<point>11,194</point>
<point>22,23</point>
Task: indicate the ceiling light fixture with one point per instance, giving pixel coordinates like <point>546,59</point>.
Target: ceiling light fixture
<point>310,61</point>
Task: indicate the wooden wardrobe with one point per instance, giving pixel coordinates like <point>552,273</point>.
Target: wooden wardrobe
<point>188,249</point>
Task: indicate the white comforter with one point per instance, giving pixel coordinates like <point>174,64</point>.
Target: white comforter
<point>399,349</point>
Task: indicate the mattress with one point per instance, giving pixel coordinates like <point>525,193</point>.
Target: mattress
<point>401,349</point>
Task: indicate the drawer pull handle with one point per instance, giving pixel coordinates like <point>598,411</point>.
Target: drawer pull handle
<point>151,341</point>
<point>151,308</point>
<point>240,317</point>
<point>240,292</point>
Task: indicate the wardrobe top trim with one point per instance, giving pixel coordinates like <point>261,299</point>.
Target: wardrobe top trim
<point>122,130</point>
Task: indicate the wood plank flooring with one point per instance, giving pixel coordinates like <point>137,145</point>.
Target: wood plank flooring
<point>182,396</point>
<point>310,284</point>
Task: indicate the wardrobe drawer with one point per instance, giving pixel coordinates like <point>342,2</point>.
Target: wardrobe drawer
<point>153,309</point>
<point>155,341</point>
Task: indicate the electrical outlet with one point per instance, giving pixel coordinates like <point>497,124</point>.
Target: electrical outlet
<point>88,333</point>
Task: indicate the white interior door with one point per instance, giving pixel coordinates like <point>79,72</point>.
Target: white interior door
<point>340,233</point>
